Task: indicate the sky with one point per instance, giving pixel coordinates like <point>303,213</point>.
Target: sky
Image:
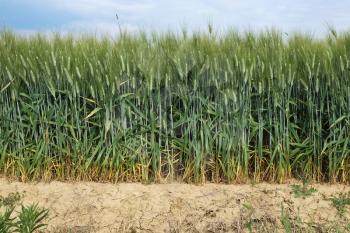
<point>99,16</point>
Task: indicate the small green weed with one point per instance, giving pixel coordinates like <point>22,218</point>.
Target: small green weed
<point>6,222</point>
<point>249,223</point>
<point>28,220</point>
<point>302,191</point>
<point>340,202</point>
<point>11,200</point>
<point>285,221</point>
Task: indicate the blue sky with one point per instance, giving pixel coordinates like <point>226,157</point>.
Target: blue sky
<point>30,16</point>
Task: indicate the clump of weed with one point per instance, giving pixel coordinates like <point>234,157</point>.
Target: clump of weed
<point>303,191</point>
<point>31,219</point>
<point>28,220</point>
<point>340,202</point>
<point>11,200</point>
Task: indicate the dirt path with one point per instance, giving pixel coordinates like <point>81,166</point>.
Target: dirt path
<point>97,207</point>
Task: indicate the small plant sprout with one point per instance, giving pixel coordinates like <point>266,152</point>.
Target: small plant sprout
<point>303,191</point>
<point>341,202</point>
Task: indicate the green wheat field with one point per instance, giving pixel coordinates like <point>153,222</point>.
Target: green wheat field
<point>190,107</point>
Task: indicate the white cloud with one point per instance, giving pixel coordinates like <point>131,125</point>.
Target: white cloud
<point>288,15</point>
<point>99,27</point>
<point>100,7</point>
<point>99,16</point>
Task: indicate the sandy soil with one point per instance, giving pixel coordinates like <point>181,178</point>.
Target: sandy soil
<point>134,207</point>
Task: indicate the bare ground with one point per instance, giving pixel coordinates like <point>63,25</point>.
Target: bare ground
<point>134,207</point>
